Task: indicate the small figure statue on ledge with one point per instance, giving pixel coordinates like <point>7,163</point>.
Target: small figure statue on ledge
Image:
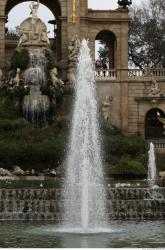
<point>154,90</point>
<point>106,104</point>
<point>57,83</point>
<point>17,78</point>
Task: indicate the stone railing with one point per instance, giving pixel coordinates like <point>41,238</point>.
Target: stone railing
<point>106,74</point>
<point>158,72</point>
<point>130,73</point>
<point>157,143</point>
<point>47,205</point>
<point>135,73</point>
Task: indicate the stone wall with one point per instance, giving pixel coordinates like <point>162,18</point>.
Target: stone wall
<point>137,109</point>
<point>46,204</point>
<point>130,102</point>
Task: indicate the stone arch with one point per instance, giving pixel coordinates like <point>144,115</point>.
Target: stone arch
<point>54,6</point>
<point>154,129</point>
<point>110,40</point>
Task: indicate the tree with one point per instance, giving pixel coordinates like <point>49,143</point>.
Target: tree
<point>13,32</point>
<point>147,34</point>
<point>103,53</point>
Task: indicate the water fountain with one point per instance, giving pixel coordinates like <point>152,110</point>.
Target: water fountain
<point>36,105</point>
<point>151,164</point>
<point>84,193</point>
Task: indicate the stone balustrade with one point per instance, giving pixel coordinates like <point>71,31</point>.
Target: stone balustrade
<point>106,74</point>
<point>157,143</point>
<point>129,73</point>
<point>47,204</point>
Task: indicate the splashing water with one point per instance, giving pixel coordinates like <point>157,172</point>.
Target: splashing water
<point>84,193</point>
<point>36,105</point>
<point>151,163</point>
<point>35,73</point>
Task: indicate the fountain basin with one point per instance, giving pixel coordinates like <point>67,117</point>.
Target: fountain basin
<point>47,205</point>
<point>122,234</point>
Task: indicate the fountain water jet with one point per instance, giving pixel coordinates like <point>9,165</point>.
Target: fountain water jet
<point>151,163</point>
<point>84,193</point>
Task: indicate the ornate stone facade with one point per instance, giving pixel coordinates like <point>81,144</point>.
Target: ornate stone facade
<point>126,87</point>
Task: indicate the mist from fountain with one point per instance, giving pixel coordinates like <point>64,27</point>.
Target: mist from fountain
<point>84,192</point>
<point>151,163</point>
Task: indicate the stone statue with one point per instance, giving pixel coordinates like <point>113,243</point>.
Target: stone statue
<point>73,48</point>
<point>154,90</point>
<point>17,78</point>
<point>106,108</point>
<point>33,30</point>
<point>34,8</point>
<point>23,38</point>
<point>57,83</point>
<point>44,38</point>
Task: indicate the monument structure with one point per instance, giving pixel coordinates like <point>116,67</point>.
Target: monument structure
<point>133,106</point>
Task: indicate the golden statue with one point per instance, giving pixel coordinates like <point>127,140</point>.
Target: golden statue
<point>74,16</point>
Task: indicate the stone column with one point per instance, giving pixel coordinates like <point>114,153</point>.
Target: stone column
<point>124,106</point>
<point>124,49</point>
<point>73,28</point>
<point>2,41</point>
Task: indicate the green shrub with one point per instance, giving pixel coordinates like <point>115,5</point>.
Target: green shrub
<point>8,109</point>
<point>38,155</point>
<point>127,168</point>
<point>13,125</point>
<point>117,145</point>
<point>20,59</point>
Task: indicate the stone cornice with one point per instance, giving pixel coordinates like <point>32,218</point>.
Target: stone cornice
<point>98,19</point>
<point>105,19</point>
<point>150,99</point>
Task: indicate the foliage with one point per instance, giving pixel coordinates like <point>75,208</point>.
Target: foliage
<point>7,108</point>
<point>42,148</point>
<point>146,34</point>
<point>12,125</point>
<point>30,148</point>
<point>120,149</point>
<point>127,168</point>
<point>13,32</point>
<point>116,145</point>
<point>103,54</point>
<point>20,59</point>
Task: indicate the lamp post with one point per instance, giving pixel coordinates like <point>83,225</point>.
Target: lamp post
<point>124,3</point>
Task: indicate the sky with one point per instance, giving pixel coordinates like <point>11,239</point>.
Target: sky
<point>21,11</point>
